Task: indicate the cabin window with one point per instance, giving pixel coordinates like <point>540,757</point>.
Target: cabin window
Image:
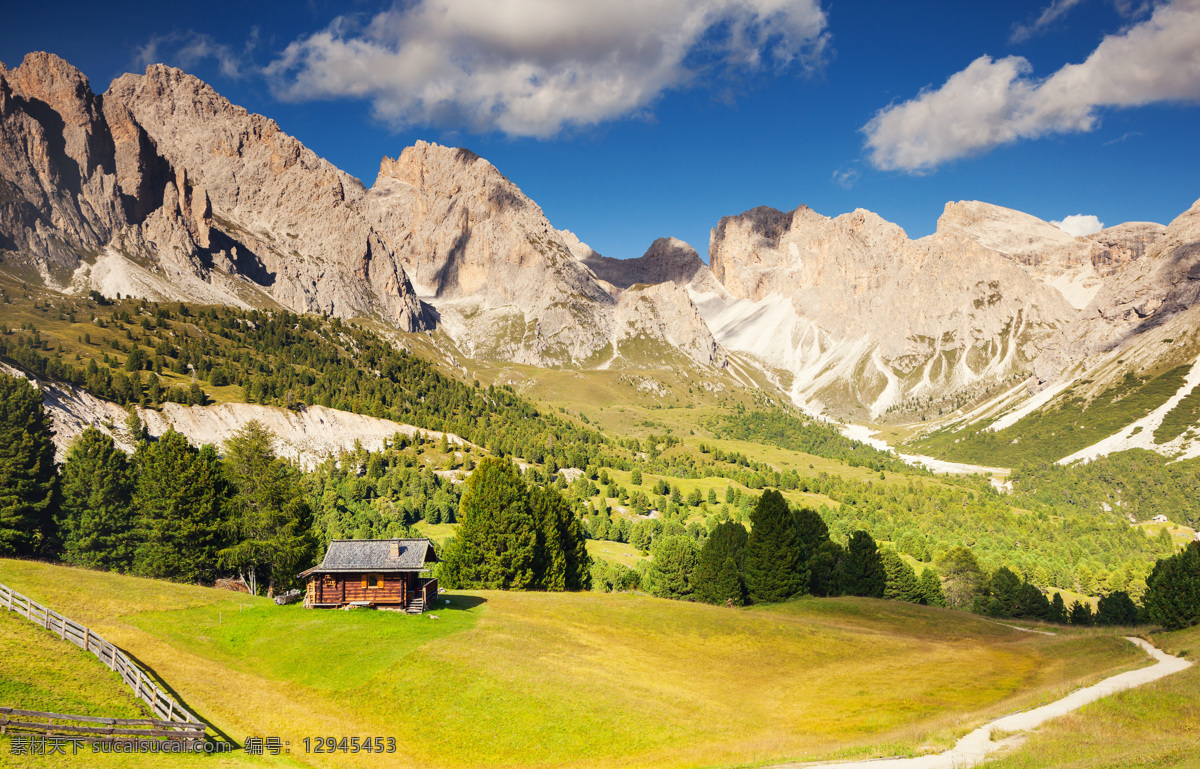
<point>373,580</point>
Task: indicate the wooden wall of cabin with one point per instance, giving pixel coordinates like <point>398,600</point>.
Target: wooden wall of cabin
<point>347,588</point>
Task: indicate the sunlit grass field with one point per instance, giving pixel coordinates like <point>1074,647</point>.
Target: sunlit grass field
<point>1153,725</point>
<point>585,679</point>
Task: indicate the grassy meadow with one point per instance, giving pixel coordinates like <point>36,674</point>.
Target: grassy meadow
<point>1153,725</point>
<point>551,680</point>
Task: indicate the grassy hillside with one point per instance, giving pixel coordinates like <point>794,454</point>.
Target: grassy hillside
<point>1072,421</point>
<point>1154,725</point>
<point>526,679</point>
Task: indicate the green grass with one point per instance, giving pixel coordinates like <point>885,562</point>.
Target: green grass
<point>581,680</point>
<point>1184,417</point>
<point>617,552</point>
<point>1055,432</point>
<point>1153,725</point>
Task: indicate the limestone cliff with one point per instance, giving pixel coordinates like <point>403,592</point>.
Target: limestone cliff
<point>865,319</point>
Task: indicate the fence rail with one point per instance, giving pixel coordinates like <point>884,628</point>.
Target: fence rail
<point>161,704</point>
<point>92,725</point>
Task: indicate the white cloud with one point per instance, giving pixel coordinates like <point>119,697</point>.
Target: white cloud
<point>187,49</point>
<point>533,67</point>
<point>1080,224</point>
<point>1052,13</point>
<point>845,177</point>
<point>998,101</point>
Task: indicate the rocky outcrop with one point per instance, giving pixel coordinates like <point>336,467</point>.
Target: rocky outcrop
<point>1160,288</point>
<point>871,319</point>
<point>286,219</point>
<point>506,283</point>
<point>668,260</point>
<point>1076,267</point>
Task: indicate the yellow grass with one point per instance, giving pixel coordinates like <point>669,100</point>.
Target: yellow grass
<point>579,680</point>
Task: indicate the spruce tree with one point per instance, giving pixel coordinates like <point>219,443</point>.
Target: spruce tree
<point>811,530</point>
<point>826,569</point>
<point>96,511</point>
<point>864,574</point>
<point>270,521</point>
<point>496,543</point>
<point>561,559</point>
<point>1116,609</point>
<point>726,543</point>
<point>775,568</point>
<point>901,581</point>
<point>28,476</point>
<point>1172,596</point>
<point>181,501</point>
<point>1058,610</point>
<point>674,564</point>
<point>930,585</point>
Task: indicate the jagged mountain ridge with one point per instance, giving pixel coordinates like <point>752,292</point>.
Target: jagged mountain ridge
<point>162,188</point>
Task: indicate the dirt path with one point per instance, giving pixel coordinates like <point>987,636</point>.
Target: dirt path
<point>974,748</point>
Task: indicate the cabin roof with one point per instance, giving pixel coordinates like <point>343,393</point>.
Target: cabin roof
<point>353,555</point>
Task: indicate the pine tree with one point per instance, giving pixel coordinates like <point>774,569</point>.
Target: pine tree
<point>726,543</point>
<point>674,564</point>
<point>1058,610</point>
<point>962,579</point>
<point>270,522</point>
<point>1172,596</point>
<point>562,561</point>
<point>1005,589</point>
<point>728,584</point>
<point>930,585</point>
<point>96,511</point>
<point>864,573</point>
<point>901,582</point>
<point>28,476</point>
<point>811,530</point>
<point>1116,609</point>
<point>181,501</point>
<point>496,543</point>
<point>826,569</point>
<point>775,568</point>
<point>1081,614</point>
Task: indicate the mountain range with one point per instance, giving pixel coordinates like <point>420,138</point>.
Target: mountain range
<point>161,188</point>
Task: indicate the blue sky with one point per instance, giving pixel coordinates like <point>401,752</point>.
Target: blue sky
<point>635,119</point>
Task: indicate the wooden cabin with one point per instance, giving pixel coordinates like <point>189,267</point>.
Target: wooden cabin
<point>384,573</point>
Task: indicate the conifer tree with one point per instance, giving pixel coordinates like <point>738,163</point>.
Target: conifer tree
<point>562,560</point>
<point>496,543</point>
<point>96,511</point>
<point>1081,614</point>
<point>775,568</point>
<point>901,582</point>
<point>930,585</point>
<point>811,530</point>
<point>1058,610</point>
<point>864,573</point>
<point>270,520</point>
<point>672,569</point>
<point>962,578</point>
<point>1172,596</point>
<point>28,476</point>
<point>726,543</point>
<point>826,569</point>
<point>181,501</point>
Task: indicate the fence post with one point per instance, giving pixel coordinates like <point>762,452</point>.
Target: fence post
<point>87,639</point>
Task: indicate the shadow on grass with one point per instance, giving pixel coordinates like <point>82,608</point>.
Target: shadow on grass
<point>447,602</point>
<point>154,676</point>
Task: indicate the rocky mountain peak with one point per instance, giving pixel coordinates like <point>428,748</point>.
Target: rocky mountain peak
<point>668,260</point>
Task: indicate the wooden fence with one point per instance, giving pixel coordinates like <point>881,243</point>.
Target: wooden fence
<point>91,726</point>
<point>161,704</point>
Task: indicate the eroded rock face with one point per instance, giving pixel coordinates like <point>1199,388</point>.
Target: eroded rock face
<point>1076,267</point>
<point>507,284</point>
<point>873,315</point>
<point>286,219</point>
<point>1161,287</point>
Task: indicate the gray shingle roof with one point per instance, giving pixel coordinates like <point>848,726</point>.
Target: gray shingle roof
<point>376,555</point>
